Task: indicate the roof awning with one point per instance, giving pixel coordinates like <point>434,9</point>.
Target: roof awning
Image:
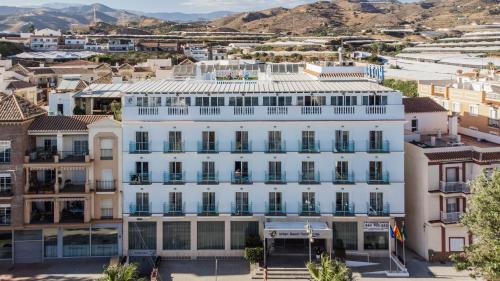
<point>296,230</point>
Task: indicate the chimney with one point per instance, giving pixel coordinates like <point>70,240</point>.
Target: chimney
<point>433,141</point>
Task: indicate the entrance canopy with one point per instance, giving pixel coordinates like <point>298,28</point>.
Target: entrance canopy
<point>296,230</point>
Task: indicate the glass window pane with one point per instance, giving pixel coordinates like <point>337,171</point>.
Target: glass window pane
<point>240,231</point>
<point>5,244</point>
<point>176,235</point>
<point>345,234</point>
<point>376,240</point>
<point>76,242</point>
<point>104,242</point>
<point>50,242</point>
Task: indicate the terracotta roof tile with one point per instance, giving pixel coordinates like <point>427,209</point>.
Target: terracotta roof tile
<point>76,62</point>
<point>451,155</point>
<point>64,123</point>
<point>421,104</point>
<point>19,84</point>
<point>14,108</point>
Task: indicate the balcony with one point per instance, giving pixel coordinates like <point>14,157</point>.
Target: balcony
<point>140,178</point>
<point>309,209</point>
<point>241,209</point>
<point>343,210</point>
<point>72,211</point>
<point>275,209</point>
<point>376,178</point>
<point>309,178</point>
<point>343,147</point>
<point>73,186</point>
<point>309,147</point>
<point>378,211</point>
<point>451,217</point>
<point>373,147</point>
<point>106,154</point>
<point>343,178</point>
<point>142,210</point>
<point>41,187</point>
<point>42,155</point>
<point>453,187</point>
<point>241,147</point>
<point>173,147</point>
<point>42,212</point>
<point>105,185</point>
<point>211,209</point>
<point>72,156</point>
<point>174,178</point>
<point>173,210</point>
<point>275,178</point>
<point>208,147</point>
<point>495,123</point>
<point>241,177</point>
<point>208,178</point>
<point>139,147</point>
<point>276,147</point>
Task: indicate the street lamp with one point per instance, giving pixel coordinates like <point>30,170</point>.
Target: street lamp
<point>309,231</point>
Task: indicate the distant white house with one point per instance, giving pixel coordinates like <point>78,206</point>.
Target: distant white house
<point>44,40</point>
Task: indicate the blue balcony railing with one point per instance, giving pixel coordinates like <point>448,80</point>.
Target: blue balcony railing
<point>309,209</point>
<point>275,209</point>
<point>378,147</point>
<point>344,147</point>
<point>347,178</point>
<point>241,146</point>
<point>275,147</point>
<point>173,147</point>
<point>140,178</point>
<point>241,209</point>
<point>139,147</point>
<point>275,178</point>
<point>343,210</point>
<point>176,209</point>
<point>210,209</point>
<point>241,177</point>
<point>208,178</point>
<point>378,210</point>
<point>174,178</point>
<point>378,178</point>
<point>208,147</point>
<point>309,147</point>
<point>141,209</point>
<point>309,178</point>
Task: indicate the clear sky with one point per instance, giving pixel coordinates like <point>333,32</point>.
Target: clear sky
<point>188,6</point>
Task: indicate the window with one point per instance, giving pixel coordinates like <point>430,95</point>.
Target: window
<point>375,172</point>
<point>208,202</point>
<point>5,214</point>
<point>175,202</point>
<point>177,235</point>
<point>104,242</point>
<point>141,173</point>
<point>142,235</point>
<point>376,138</point>
<point>175,141</point>
<point>374,100</point>
<point>177,101</point>
<point>445,104</point>
<point>455,107</point>
<point>60,109</point>
<point>241,169</point>
<point>274,139</point>
<point>175,170</point>
<point>275,202</point>
<point>50,242</point>
<point>473,110</point>
<point>209,101</point>
<point>81,147</point>
<point>342,203</point>
<point>241,143</point>
<point>277,101</point>
<point>5,183</point>
<point>241,231</point>
<point>376,203</point>
<point>148,101</point>
<point>6,244</point>
<point>457,244</point>
<point>211,235</point>
<point>344,100</point>
<point>311,100</point>
<point>107,209</point>
<point>307,171</point>
<point>141,141</point>
<point>414,125</point>
<point>76,242</point>
<point>308,202</point>
<point>142,203</point>
<point>342,171</point>
<point>241,204</point>
<point>376,240</point>
<point>341,141</point>
<point>493,113</point>
<point>106,149</point>
<point>345,235</point>
<point>208,170</point>
<point>274,170</point>
<point>5,148</point>
<point>243,101</point>
<point>308,142</point>
<point>208,141</point>
<point>452,205</point>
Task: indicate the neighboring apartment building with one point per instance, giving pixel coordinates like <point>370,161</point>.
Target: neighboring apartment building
<point>45,40</point>
<point>120,45</point>
<point>474,98</point>
<point>206,164</point>
<point>439,165</point>
<point>71,192</point>
<point>16,115</point>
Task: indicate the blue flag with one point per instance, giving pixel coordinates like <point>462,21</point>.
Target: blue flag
<point>391,232</point>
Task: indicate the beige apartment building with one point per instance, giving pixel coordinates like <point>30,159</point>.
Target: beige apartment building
<point>439,166</point>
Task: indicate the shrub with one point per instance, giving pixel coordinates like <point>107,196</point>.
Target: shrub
<point>254,255</point>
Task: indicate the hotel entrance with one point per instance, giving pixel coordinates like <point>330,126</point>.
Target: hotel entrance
<point>295,246</point>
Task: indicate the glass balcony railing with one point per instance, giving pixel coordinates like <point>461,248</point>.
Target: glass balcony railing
<point>275,209</point>
<point>309,209</point>
<point>275,147</point>
<point>174,178</point>
<point>141,209</point>
<point>241,177</point>
<point>347,178</point>
<point>377,147</point>
<point>139,147</point>
<point>208,178</point>
<point>309,147</point>
<point>378,210</point>
<point>241,209</point>
<point>176,209</point>
<point>208,147</point>
<point>309,178</point>
<point>343,147</point>
<point>208,209</point>
<point>275,178</point>
<point>241,146</point>
<point>173,147</point>
<point>72,156</point>
<point>140,178</point>
<point>343,210</point>
<point>377,178</point>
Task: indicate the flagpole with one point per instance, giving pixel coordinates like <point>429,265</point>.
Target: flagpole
<point>404,239</point>
<point>395,240</point>
<point>390,241</point>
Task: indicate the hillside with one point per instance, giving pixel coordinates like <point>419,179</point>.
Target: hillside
<point>356,15</point>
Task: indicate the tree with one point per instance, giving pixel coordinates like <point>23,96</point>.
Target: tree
<point>116,108</point>
<point>329,270</point>
<point>128,272</point>
<point>483,220</point>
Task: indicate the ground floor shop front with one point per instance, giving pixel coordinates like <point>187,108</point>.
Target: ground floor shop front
<point>196,236</point>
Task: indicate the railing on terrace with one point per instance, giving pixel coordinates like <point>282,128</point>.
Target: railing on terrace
<point>343,210</point>
<point>343,147</point>
<point>450,187</point>
<point>176,209</point>
<point>451,217</point>
<point>241,147</point>
<point>275,146</point>
<point>241,209</point>
<point>208,178</point>
<point>275,209</point>
<point>376,147</point>
<point>72,156</point>
<point>378,210</point>
<point>106,154</point>
<point>140,210</point>
<point>309,209</point>
<point>309,147</point>
<point>347,178</point>
<point>173,147</point>
<point>174,178</point>
<point>378,178</point>
<point>309,178</point>
<point>208,209</point>
<point>208,147</point>
<point>106,213</point>
<point>140,147</point>
<point>238,177</point>
<point>140,178</point>
<point>493,96</point>
<point>495,123</point>
<point>275,178</point>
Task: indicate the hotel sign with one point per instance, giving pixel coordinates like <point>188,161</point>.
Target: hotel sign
<point>296,233</point>
<point>376,226</point>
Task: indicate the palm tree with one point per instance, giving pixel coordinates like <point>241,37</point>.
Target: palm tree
<point>329,270</point>
<point>126,272</point>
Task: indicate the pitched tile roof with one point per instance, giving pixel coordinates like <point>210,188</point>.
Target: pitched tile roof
<point>76,63</point>
<point>64,123</point>
<point>421,104</point>
<point>19,84</point>
<point>466,155</point>
<point>14,108</point>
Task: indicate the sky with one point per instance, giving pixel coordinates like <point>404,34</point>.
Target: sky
<point>187,6</point>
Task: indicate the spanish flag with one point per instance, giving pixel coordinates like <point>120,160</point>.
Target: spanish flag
<point>397,233</point>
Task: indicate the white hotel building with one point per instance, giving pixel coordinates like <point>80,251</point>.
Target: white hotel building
<point>208,163</point>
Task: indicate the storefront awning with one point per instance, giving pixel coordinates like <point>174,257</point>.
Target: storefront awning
<point>296,230</point>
